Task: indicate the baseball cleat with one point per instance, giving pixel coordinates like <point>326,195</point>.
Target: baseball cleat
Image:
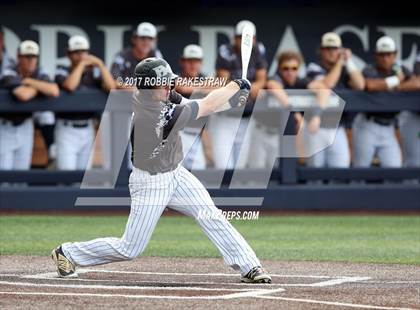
<point>256,275</point>
<point>65,268</point>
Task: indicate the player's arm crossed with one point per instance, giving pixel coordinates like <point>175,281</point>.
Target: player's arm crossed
<point>402,80</point>
<point>46,88</point>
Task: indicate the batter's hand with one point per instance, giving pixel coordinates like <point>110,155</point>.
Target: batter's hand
<point>243,84</point>
<point>241,97</point>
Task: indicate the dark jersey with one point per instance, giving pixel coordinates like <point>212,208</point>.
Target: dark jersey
<point>91,79</point>
<point>124,62</point>
<point>228,58</point>
<point>301,83</point>
<point>315,71</point>
<point>372,72</point>
<point>155,137</point>
<point>12,79</point>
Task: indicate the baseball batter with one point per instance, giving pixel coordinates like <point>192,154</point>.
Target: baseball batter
<point>158,180</point>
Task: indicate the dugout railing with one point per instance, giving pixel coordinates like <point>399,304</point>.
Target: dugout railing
<point>286,180</point>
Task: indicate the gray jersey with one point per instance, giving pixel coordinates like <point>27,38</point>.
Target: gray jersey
<point>155,137</point>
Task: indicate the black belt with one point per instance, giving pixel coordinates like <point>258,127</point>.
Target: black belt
<point>14,123</point>
<point>76,123</point>
<point>381,121</point>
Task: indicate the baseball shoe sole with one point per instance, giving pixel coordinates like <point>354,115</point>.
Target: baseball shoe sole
<point>65,268</point>
<point>256,275</point>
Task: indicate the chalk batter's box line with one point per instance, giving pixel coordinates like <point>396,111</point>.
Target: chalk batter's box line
<point>256,292</point>
<point>329,280</point>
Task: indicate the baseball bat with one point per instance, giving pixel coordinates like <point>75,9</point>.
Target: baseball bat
<point>246,49</point>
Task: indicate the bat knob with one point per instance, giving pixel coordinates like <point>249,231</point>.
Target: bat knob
<point>243,97</point>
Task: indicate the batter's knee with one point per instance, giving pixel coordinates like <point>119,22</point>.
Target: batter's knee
<point>130,251</point>
<point>129,256</point>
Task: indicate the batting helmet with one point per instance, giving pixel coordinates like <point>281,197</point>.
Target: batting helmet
<point>153,72</point>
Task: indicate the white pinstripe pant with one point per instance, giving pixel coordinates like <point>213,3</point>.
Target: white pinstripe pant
<point>179,190</point>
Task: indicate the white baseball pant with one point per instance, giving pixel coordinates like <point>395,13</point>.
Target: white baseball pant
<point>16,144</point>
<point>231,138</point>
<point>74,145</point>
<point>336,155</point>
<point>193,149</point>
<point>370,139</point>
<point>265,148</point>
<point>150,195</point>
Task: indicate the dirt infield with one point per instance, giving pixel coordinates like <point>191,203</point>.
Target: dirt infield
<point>172,283</point>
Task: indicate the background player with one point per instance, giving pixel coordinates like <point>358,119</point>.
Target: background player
<point>158,180</point>
<point>196,140</point>
<point>25,81</point>
<point>265,138</point>
<point>143,45</point>
<point>226,144</point>
<point>337,71</point>
<point>374,132</point>
<point>74,132</point>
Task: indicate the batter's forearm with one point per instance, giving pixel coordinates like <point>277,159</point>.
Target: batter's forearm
<point>218,98</point>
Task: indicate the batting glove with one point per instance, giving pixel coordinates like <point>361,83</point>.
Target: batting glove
<point>243,84</point>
